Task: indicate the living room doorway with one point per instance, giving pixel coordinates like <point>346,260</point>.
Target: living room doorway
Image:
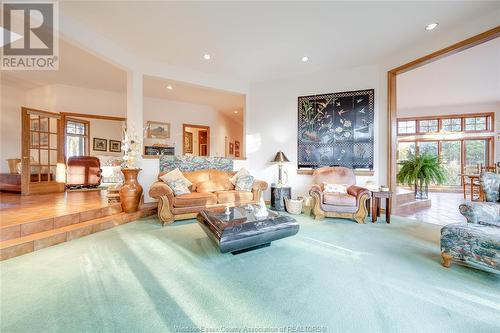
<point>195,140</point>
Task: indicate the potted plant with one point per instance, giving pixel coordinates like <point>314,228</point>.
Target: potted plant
<point>420,171</point>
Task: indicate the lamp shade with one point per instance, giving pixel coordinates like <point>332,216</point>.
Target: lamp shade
<point>280,157</point>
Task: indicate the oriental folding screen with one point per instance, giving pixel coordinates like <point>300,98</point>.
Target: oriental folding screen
<point>336,130</point>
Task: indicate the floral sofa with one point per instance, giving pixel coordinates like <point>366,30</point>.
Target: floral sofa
<point>477,242</point>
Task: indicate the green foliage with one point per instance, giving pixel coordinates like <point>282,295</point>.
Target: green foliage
<point>421,170</point>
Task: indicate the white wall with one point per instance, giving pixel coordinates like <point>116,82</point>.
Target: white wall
<point>272,120</point>
<point>12,98</point>
<point>105,129</point>
<point>178,113</point>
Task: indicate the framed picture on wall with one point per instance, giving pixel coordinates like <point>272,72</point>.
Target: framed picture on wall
<point>115,146</point>
<point>231,148</point>
<point>157,130</point>
<point>188,142</point>
<point>236,148</point>
<point>100,144</point>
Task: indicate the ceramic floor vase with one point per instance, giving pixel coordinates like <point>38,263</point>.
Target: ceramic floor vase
<point>131,191</point>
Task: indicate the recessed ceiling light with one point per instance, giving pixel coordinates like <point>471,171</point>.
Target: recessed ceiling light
<point>431,26</point>
<point>235,111</point>
<point>169,87</point>
<point>206,56</point>
<point>304,59</point>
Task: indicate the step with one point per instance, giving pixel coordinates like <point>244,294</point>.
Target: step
<point>26,228</point>
<point>404,196</point>
<point>412,206</point>
<point>36,241</point>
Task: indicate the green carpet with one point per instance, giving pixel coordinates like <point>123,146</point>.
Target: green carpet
<point>334,276</point>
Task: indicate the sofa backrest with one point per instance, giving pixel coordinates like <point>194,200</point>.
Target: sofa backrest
<point>490,184</point>
<point>209,180</point>
<point>334,175</point>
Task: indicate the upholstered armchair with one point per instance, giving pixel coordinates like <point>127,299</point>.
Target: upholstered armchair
<point>351,205</point>
<point>489,210</point>
<point>477,242</point>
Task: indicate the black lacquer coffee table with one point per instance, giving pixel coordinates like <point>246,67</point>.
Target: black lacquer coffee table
<point>242,231</point>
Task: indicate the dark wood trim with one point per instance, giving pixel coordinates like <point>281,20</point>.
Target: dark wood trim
<point>93,116</point>
<point>391,89</point>
<point>202,127</point>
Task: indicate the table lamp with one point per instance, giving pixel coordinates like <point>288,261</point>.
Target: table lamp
<point>280,158</point>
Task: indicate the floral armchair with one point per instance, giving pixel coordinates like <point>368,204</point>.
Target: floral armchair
<point>351,205</point>
<point>477,242</point>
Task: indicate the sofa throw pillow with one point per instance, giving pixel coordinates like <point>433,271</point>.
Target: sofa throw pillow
<point>244,183</point>
<point>178,186</point>
<point>174,175</point>
<point>242,172</point>
<point>334,188</point>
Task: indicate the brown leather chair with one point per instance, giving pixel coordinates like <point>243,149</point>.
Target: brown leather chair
<point>351,205</point>
<point>83,171</point>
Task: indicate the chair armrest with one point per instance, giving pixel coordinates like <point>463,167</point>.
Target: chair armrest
<point>259,185</point>
<point>316,189</point>
<point>358,192</point>
<point>159,188</point>
<point>476,212</point>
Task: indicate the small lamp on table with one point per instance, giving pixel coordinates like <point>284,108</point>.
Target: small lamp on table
<point>280,158</point>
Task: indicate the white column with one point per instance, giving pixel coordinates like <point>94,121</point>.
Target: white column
<point>135,105</point>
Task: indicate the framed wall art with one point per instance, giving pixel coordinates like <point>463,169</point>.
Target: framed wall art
<point>231,148</point>
<point>236,149</point>
<point>188,142</point>
<point>100,144</point>
<point>336,130</point>
<point>115,146</point>
<point>158,130</point>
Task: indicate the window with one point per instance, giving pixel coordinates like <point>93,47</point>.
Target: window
<point>77,137</point>
<point>476,152</point>
<point>475,124</point>
<point>428,126</point>
<point>428,147</point>
<point>405,150</point>
<point>451,153</point>
<point>407,127</point>
<point>452,125</point>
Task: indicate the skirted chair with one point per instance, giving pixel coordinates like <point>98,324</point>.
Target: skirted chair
<point>351,205</point>
<point>477,242</point>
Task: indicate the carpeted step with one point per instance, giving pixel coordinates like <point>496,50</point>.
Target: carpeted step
<point>36,241</point>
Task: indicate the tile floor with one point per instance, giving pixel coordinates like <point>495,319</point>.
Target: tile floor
<point>444,209</point>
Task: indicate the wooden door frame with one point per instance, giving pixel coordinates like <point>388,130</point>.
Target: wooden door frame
<point>202,127</point>
<point>51,186</point>
<point>392,96</point>
<point>77,117</point>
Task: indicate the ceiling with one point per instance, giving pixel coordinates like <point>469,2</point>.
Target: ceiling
<point>257,41</point>
<point>76,67</point>
<point>468,77</point>
<point>222,101</point>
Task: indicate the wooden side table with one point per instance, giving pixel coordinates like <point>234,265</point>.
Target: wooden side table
<point>375,205</point>
<point>278,195</point>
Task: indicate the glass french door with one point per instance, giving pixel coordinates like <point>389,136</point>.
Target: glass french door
<point>41,148</point>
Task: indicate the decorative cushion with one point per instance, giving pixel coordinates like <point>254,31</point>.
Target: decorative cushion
<point>244,183</point>
<point>224,197</point>
<point>178,186</point>
<point>242,172</point>
<point>339,199</point>
<point>174,175</point>
<point>334,188</point>
<point>195,199</point>
<point>210,186</point>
